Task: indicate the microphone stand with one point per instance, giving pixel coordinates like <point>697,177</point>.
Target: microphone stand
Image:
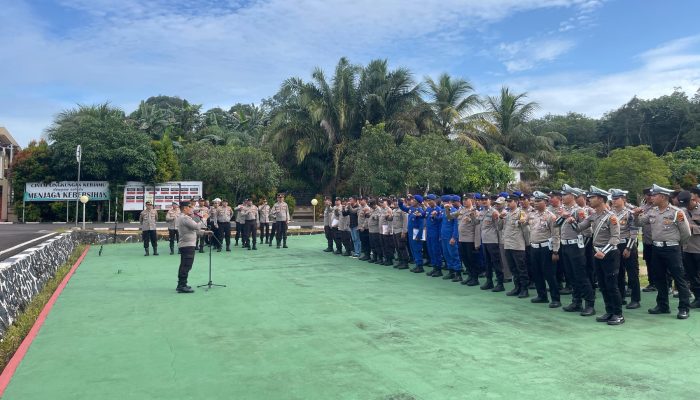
<point>210,283</point>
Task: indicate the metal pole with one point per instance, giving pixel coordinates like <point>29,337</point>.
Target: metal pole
<point>109,210</point>
<point>67,209</point>
<point>77,199</point>
<point>83,216</point>
<point>314,215</point>
<point>24,204</point>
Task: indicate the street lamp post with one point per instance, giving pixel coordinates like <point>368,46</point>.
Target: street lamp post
<point>78,156</point>
<point>84,199</point>
<point>314,202</point>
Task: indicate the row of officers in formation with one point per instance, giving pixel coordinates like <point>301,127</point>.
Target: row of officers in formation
<point>197,223</point>
<point>587,239</point>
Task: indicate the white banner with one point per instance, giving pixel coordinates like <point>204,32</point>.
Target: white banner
<point>161,194</point>
<point>66,190</point>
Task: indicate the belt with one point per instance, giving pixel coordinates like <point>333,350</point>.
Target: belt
<point>569,241</point>
<point>666,244</point>
<point>540,245</point>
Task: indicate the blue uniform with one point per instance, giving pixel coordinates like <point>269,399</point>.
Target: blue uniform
<point>416,221</point>
<point>448,231</point>
<point>433,233</point>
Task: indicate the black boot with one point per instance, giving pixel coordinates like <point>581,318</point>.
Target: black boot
<point>499,287</point>
<point>523,294</point>
<point>147,254</point>
<point>436,272</point>
<point>588,310</point>
<point>573,307</point>
<point>327,250</point>
<point>515,291</point>
<point>347,253</point>
<point>488,285</point>
<point>450,275</point>
<point>254,248</point>
<point>172,250</point>
<point>228,247</point>
<point>284,243</point>
<point>389,262</point>
<point>457,277</point>
<point>155,251</point>
<point>403,265</point>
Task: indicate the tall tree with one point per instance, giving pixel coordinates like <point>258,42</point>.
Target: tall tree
<point>453,101</point>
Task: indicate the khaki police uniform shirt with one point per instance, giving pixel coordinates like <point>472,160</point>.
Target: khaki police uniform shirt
<point>250,212</point>
<point>693,243</point>
<point>514,227</point>
<point>385,219</point>
<point>264,214</point>
<point>646,228</point>
<point>543,228</point>
<point>189,229</point>
<point>171,218</point>
<point>148,219</point>
<point>669,225</point>
<point>363,218</point>
<point>327,215</point>
<point>281,212</point>
<point>344,223</point>
<point>467,224</point>
<point>373,224</point>
<point>566,230</point>
<point>488,222</point>
<point>628,229</point>
<point>224,214</point>
<point>399,221</point>
<point>606,228</point>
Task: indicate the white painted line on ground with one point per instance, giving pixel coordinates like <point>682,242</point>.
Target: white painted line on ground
<point>59,223</point>
<point>27,242</point>
<point>101,229</point>
<point>318,226</point>
<point>132,229</point>
<point>294,227</point>
<point>32,222</point>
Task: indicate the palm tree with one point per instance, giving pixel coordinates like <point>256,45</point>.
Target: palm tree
<point>453,102</point>
<point>505,121</point>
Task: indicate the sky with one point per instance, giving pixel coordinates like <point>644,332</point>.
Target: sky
<point>586,56</point>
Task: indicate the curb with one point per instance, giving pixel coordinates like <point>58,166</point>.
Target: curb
<point>16,359</point>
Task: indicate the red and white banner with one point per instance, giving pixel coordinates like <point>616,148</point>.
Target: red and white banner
<point>136,194</point>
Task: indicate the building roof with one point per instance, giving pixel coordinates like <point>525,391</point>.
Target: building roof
<point>6,139</point>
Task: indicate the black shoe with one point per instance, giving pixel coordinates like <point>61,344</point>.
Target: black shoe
<point>498,288</point>
<point>523,294</point>
<point>695,303</point>
<point>254,248</point>
<point>616,320</point>
<point>488,285</point>
<point>201,250</point>
<point>346,254</point>
<point>588,311</point>
<point>650,288</point>
<point>659,310</point>
<point>337,252</point>
<point>554,304</point>
<point>604,318</point>
<point>449,276</point>
<point>418,270</point>
<point>566,291</point>
<point>284,246</point>
<point>514,292</point>
<point>683,314</point>
<point>184,289</point>
<point>539,299</point>
<point>327,250</point>
<point>436,273</point>
<point>473,282</point>
<point>573,307</point>
<point>457,277</point>
<point>363,258</point>
<point>270,245</point>
<point>146,255</point>
<point>402,266</point>
<point>633,305</point>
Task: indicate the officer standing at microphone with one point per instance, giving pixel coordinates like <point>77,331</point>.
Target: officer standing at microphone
<point>189,231</point>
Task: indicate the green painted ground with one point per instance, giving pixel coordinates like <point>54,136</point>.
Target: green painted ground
<point>302,324</point>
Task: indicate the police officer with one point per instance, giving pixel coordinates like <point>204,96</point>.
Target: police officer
<point>264,219</point>
<point>449,237</point>
<point>354,209</point>
<point>148,219</point>
<point>669,229</point>
<point>363,228</point>
<point>399,226</point>
<point>374,238</point>
<point>513,225</point>
<point>327,218</point>
<point>606,237</point>
<point>582,202</point>
<point>171,219</point>
<point>690,200</point>
<point>544,250</point>
<point>250,212</point>
<point>467,223</point>
<point>281,212</point>
<point>386,234</point>
<point>433,235</point>
<point>647,243</point>
<point>240,223</point>
<point>488,225</point>
<point>213,224</point>
<point>223,220</point>
<point>416,224</point>
<point>200,208</point>
<point>335,225</point>
<point>573,254</point>
<point>344,228</point>
<point>629,261</point>
<point>189,231</point>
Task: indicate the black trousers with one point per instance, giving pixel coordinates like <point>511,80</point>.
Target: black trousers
<point>630,267</point>
<point>337,238</point>
<point>225,233</point>
<point>218,236</point>
<point>590,268</point>
<point>346,238</point>
<point>186,261</point>
<point>150,236</point>
<point>364,241</point>
<point>273,231</point>
<point>492,254</point>
<point>173,237</point>
<point>375,243</point>
<point>264,231</point>
<point>250,230</point>
<point>516,261</point>
<point>647,251</point>
<point>574,260</point>
<point>388,246</point>
<point>281,232</point>
<point>691,264</point>
<point>466,254</point>
<point>239,230</point>
<point>329,235</point>
<point>607,270</point>
<point>668,260</point>
<point>401,245</point>
<point>543,269</point>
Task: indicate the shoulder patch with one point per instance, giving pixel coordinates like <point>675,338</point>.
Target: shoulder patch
<point>613,220</point>
<point>680,216</point>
